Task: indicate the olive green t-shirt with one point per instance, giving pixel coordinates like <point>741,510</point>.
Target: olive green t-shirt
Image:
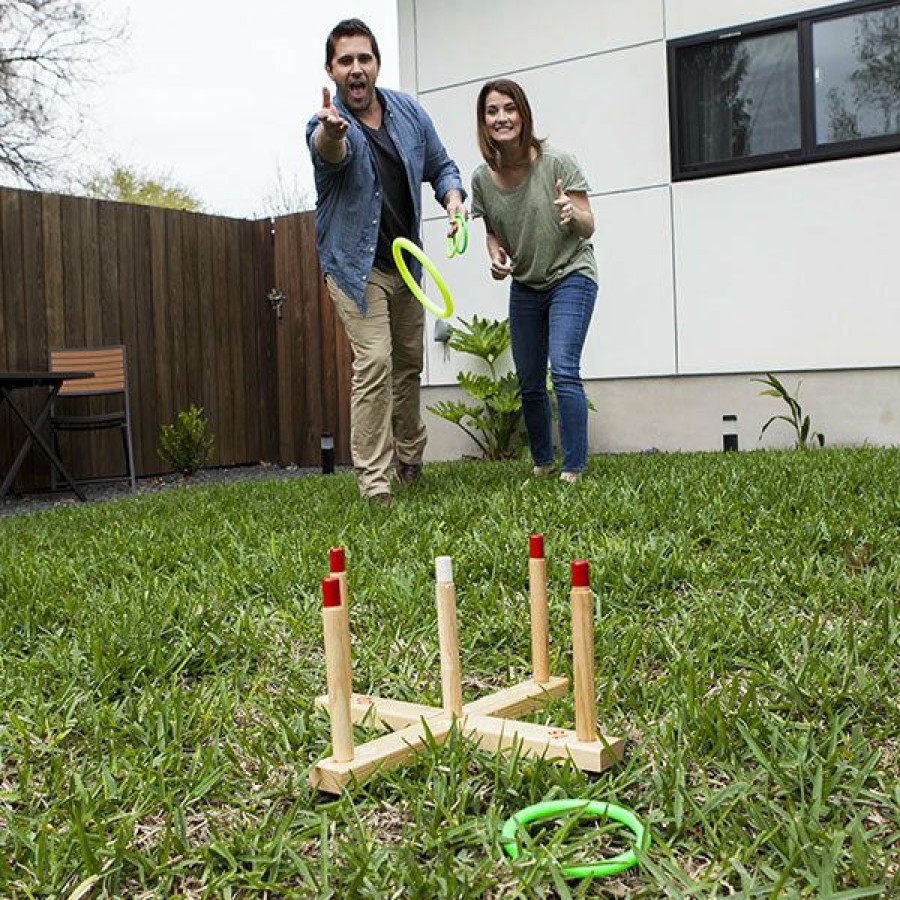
<point>526,223</point>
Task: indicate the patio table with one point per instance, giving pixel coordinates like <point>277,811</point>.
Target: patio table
<point>51,382</point>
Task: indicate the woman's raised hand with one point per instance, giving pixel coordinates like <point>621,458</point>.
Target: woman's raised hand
<point>563,204</point>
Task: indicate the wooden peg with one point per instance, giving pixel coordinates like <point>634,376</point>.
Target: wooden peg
<point>448,636</point>
<point>337,652</point>
<point>337,566</point>
<point>537,592</point>
<point>583,652</point>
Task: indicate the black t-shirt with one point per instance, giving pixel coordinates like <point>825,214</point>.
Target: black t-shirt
<point>396,202</point>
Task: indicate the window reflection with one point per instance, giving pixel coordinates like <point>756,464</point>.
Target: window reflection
<point>857,76</point>
<point>739,98</point>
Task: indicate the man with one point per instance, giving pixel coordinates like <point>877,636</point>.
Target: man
<point>372,149</point>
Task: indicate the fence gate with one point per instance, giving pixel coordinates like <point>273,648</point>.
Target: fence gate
<point>312,350</point>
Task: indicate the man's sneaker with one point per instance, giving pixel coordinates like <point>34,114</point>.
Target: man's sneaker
<point>380,500</point>
<point>568,477</point>
<point>409,473</point>
<point>541,471</point>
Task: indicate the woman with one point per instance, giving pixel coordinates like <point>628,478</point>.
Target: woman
<point>533,199</point>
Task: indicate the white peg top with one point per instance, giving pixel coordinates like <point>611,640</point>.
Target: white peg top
<point>443,569</point>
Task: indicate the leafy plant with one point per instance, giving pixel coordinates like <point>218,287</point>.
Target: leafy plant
<point>185,445</point>
<point>494,422</point>
<point>805,438</point>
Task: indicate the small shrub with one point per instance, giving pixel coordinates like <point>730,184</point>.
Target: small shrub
<point>804,437</point>
<point>185,445</point>
<point>494,421</point>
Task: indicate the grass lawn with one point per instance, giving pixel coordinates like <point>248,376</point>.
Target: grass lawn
<point>159,657</point>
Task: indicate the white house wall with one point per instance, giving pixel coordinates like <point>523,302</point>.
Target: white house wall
<point>687,17</point>
<point>471,40</point>
<point>717,278</point>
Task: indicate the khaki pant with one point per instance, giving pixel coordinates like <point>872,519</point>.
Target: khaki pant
<point>385,412</point>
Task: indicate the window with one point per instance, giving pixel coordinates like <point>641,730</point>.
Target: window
<point>819,85</point>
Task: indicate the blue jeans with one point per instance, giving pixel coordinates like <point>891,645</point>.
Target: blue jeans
<point>553,323</point>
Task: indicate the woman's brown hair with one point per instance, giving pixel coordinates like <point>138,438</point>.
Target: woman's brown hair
<point>514,91</point>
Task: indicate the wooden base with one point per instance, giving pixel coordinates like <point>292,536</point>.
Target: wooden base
<point>509,703</point>
<point>489,721</point>
<point>382,753</point>
<point>543,741</point>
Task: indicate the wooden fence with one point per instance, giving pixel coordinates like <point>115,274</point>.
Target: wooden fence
<point>188,294</point>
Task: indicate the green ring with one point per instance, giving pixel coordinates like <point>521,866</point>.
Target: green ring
<point>457,245</point>
<point>400,244</point>
<point>550,809</point>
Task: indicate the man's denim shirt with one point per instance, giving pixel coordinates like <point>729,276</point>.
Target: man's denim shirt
<point>348,208</point>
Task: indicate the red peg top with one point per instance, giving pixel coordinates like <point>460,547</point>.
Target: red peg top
<point>331,591</point>
<point>536,546</point>
<point>336,560</point>
<point>580,576</point>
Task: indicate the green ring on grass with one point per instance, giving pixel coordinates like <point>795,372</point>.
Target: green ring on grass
<point>400,244</point>
<point>458,242</point>
<point>551,809</point>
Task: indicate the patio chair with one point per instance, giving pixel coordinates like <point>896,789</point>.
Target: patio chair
<point>109,365</point>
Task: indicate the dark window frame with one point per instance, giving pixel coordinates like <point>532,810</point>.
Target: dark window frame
<point>810,151</point>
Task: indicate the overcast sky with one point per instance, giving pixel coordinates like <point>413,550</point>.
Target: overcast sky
<point>216,93</point>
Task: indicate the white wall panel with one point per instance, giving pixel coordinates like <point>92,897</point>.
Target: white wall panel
<point>632,332</point>
<point>471,39</point>
<point>789,269</point>
<point>687,17</point>
<point>620,138</point>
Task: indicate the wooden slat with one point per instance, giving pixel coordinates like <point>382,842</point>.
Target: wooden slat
<point>110,290</point>
<point>51,237</point>
<point>193,370</point>
<point>90,273</point>
<point>10,434</point>
<point>111,461</point>
<point>33,280</point>
<point>87,359</point>
<point>287,406</point>
<point>15,315</point>
<point>343,366</point>
<point>250,300</point>
<point>4,331</point>
<point>162,332</point>
<point>174,291</point>
<point>207,315</point>
<point>264,275</point>
<point>510,702</point>
<point>14,280</point>
<point>544,741</point>
<point>222,416</point>
<point>237,385</point>
<point>380,754</point>
<point>124,214</point>
<point>145,355</point>
<point>72,286</point>
<point>311,334</point>
<point>33,292</point>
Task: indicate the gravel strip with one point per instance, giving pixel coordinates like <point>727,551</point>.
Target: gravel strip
<point>25,504</point>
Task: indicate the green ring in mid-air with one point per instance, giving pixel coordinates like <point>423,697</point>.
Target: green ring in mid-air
<point>400,244</point>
